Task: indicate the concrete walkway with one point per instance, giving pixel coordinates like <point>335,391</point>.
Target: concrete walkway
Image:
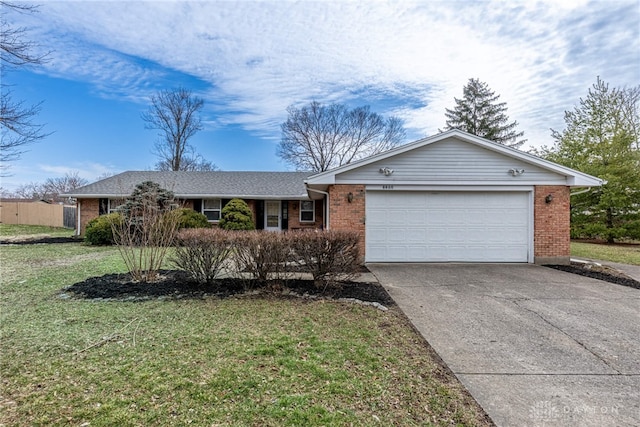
<point>534,346</point>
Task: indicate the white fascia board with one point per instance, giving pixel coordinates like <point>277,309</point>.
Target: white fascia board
<point>95,196</point>
<point>505,183</point>
<point>314,195</point>
<point>459,187</point>
<point>574,177</point>
<point>197,196</point>
<point>242,196</point>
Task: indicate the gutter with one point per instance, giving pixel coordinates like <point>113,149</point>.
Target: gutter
<point>326,198</point>
<point>580,192</point>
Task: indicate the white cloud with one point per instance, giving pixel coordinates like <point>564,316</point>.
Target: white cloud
<point>260,57</point>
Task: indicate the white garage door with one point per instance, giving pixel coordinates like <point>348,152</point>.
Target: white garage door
<point>447,226</point>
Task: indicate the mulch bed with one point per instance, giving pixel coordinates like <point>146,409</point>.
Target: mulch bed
<point>598,272</point>
<point>176,284</point>
<point>27,241</point>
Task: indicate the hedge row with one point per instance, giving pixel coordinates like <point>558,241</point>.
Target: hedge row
<point>99,230</point>
<point>327,255</point>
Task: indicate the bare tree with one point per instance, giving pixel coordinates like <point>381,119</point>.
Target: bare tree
<point>51,188</point>
<point>17,126</point>
<point>190,162</point>
<point>175,114</point>
<point>64,184</point>
<point>320,137</point>
<point>31,191</point>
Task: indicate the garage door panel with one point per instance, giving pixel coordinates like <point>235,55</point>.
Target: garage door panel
<point>447,226</point>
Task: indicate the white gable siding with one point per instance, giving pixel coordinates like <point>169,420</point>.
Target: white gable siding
<point>451,160</point>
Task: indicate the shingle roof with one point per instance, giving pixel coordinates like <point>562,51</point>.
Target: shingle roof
<point>274,185</point>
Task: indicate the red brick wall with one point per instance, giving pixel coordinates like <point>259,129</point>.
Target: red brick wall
<point>551,224</point>
<point>89,209</point>
<point>294,215</point>
<point>348,216</point>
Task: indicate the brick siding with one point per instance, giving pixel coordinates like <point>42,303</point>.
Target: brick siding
<point>551,224</point>
<point>344,215</point>
<point>294,216</point>
<point>89,209</point>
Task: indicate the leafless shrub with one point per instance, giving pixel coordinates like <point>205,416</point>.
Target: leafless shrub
<point>328,255</point>
<point>263,255</point>
<point>202,253</point>
<point>147,230</point>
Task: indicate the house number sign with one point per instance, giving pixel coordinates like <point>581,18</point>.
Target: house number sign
<point>387,187</point>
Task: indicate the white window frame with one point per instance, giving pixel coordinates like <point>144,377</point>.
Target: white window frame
<point>112,204</point>
<point>312,210</point>
<point>218,209</point>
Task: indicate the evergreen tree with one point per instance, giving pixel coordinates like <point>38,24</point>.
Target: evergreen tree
<point>236,215</point>
<point>601,139</point>
<point>479,113</point>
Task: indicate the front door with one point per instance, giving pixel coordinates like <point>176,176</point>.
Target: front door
<point>272,215</point>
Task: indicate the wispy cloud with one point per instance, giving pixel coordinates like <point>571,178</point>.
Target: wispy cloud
<point>253,59</point>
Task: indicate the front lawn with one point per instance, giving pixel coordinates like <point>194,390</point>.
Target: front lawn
<point>625,254</point>
<point>243,361</point>
<point>31,231</point>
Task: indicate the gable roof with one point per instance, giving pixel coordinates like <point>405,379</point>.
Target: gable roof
<point>248,185</point>
<point>574,178</point>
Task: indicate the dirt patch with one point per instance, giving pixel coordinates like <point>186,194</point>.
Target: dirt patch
<point>176,284</point>
<point>601,272</point>
<point>35,239</point>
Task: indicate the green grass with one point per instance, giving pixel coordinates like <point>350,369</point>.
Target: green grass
<point>246,361</point>
<point>625,254</point>
<point>10,230</point>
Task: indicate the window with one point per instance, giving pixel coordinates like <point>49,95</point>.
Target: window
<point>114,204</point>
<point>211,209</point>
<point>307,211</point>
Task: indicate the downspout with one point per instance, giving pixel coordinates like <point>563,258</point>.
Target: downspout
<point>78,218</point>
<point>327,199</point>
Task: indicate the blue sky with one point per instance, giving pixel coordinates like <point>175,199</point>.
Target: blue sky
<point>250,60</point>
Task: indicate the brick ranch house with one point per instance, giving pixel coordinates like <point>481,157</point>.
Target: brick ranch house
<point>452,197</point>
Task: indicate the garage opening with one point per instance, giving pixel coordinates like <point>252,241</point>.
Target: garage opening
<point>426,226</point>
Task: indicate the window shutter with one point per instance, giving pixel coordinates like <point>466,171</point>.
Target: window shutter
<point>103,206</point>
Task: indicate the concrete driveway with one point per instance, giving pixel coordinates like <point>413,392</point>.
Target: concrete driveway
<point>534,346</point>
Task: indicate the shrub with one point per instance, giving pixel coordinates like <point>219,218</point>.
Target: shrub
<point>147,230</point>
<point>328,255</point>
<point>202,253</point>
<point>263,254</point>
<point>192,219</point>
<point>236,215</point>
<point>99,230</point>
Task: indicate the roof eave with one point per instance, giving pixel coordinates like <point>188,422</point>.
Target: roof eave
<point>301,196</point>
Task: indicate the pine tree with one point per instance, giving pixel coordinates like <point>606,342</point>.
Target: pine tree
<point>479,113</point>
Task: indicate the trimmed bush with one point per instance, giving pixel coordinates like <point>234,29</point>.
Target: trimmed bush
<point>328,255</point>
<point>99,230</point>
<point>262,254</point>
<point>192,219</point>
<point>202,253</point>
<point>236,215</point>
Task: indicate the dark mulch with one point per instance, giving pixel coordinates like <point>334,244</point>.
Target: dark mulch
<point>28,241</point>
<point>595,272</point>
<point>177,284</point>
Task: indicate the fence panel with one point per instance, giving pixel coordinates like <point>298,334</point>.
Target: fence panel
<point>69,217</point>
<point>33,213</point>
